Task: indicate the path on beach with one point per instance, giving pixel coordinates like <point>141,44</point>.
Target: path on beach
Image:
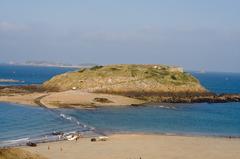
<point>70,99</point>
<point>80,99</point>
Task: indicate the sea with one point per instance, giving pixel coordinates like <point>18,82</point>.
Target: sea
<point>21,123</point>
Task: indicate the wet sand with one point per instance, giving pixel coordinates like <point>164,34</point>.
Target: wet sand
<point>136,146</point>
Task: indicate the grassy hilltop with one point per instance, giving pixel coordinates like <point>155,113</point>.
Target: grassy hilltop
<point>120,79</point>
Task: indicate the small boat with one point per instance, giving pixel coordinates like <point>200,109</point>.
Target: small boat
<point>102,138</point>
<point>71,137</point>
<point>32,144</point>
<point>93,139</point>
<point>57,133</point>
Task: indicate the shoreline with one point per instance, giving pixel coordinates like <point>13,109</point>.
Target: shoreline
<point>173,134</point>
<point>53,139</point>
<point>143,145</point>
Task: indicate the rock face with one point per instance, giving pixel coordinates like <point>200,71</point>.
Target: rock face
<point>190,98</point>
<point>123,79</point>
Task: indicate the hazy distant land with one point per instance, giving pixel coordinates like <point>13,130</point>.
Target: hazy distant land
<point>50,64</point>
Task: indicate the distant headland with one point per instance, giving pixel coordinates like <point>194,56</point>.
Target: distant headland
<point>50,64</point>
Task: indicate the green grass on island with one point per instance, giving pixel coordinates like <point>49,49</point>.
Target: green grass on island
<point>127,78</point>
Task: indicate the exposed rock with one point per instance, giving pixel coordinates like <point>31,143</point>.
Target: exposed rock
<point>8,90</point>
<point>191,98</point>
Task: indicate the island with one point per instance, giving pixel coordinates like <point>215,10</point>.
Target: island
<point>115,85</point>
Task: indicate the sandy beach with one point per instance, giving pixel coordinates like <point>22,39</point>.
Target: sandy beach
<point>76,99</point>
<point>25,99</point>
<point>85,99</point>
<point>136,146</point>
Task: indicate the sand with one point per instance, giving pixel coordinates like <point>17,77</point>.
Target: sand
<point>72,98</point>
<point>85,99</point>
<point>134,146</point>
<point>25,99</point>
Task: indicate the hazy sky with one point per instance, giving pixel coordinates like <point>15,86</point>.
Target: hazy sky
<point>195,34</point>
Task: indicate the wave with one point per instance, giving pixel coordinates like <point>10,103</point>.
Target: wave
<point>49,137</point>
<point>167,107</point>
<point>3,80</point>
<point>78,123</point>
<point>16,140</point>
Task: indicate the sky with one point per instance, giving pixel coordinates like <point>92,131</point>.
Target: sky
<point>194,34</point>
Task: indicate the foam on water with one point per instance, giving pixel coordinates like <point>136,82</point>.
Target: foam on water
<point>83,126</point>
<point>20,124</point>
<point>202,119</point>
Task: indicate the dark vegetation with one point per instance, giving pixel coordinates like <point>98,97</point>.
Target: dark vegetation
<point>15,153</point>
<point>102,100</point>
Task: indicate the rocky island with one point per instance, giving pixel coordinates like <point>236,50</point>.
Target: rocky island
<point>116,85</point>
<point>122,79</point>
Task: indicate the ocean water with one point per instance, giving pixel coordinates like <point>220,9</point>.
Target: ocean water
<point>29,74</point>
<point>19,121</point>
<point>194,119</point>
<point>22,122</point>
<point>220,82</point>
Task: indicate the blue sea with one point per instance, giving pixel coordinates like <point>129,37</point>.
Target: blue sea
<point>19,121</point>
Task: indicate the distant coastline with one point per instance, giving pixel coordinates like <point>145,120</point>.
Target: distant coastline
<point>49,64</point>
